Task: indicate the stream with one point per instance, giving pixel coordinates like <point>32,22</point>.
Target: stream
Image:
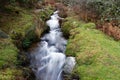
<point>48,59</point>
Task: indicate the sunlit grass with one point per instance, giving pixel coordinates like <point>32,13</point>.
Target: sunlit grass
<point>97,54</point>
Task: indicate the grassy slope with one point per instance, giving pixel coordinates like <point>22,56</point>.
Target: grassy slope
<point>97,55</point>
<point>10,20</point>
<point>15,25</point>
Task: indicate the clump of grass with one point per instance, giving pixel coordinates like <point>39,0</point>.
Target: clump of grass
<point>70,23</point>
<point>11,74</point>
<point>8,54</point>
<point>46,13</point>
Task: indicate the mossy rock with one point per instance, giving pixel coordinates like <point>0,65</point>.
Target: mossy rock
<point>3,34</point>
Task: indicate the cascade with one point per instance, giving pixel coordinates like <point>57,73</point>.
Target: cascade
<point>48,59</point>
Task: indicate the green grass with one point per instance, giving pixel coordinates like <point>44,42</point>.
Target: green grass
<point>8,53</point>
<point>21,25</point>
<point>15,21</point>
<point>9,61</point>
<point>97,54</point>
<point>16,26</point>
<point>11,74</point>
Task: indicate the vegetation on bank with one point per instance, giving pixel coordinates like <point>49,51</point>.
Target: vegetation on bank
<point>97,54</point>
<point>9,61</point>
<point>16,22</point>
<point>14,26</point>
<point>8,53</point>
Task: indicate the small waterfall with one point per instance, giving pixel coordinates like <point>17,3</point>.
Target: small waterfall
<point>48,59</point>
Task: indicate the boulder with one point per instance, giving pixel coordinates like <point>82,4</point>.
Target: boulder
<point>69,65</point>
<point>3,34</point>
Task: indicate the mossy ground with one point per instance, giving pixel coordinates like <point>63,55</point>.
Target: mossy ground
<point>97,54</point>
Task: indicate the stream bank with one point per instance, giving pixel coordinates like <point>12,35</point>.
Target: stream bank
<point>97,54</point>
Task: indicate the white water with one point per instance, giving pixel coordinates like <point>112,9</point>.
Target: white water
<point>48,59</point>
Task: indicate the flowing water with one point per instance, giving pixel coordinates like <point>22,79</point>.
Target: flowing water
<point>48,59</point>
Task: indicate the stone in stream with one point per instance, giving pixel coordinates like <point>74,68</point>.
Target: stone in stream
<point>69,65</point>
